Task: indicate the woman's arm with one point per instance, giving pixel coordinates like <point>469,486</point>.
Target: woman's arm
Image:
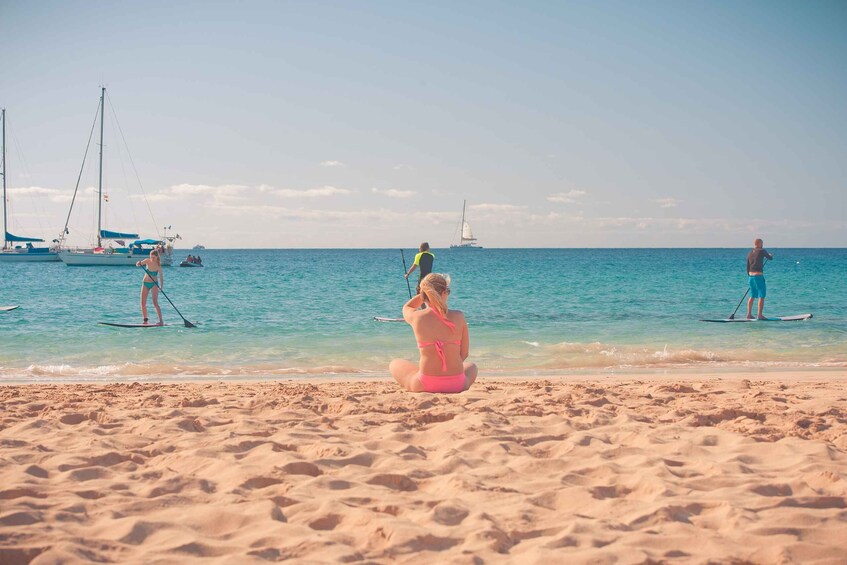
<point>161,277</point>
<point>410,307</point>
<point>465,348</point>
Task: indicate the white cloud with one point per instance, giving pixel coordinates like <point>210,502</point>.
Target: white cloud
<point>402,167</point>
<point>394,193</point>
<point>566,197</point>
<point>307,213</point>
<point>332,164</point>
<point>219,191</point>
<point>155,197</point>
<point>52,194</point>
<point>311,192</point>
<point>498,207</point>
<point>667,202</point>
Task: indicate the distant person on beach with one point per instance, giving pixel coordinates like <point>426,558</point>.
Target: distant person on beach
<point>154,267</point>
<point>423,260</point>
<point>756,277</point>
<point>442,337</point>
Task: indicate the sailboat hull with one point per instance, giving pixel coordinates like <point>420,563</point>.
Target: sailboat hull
<point>25,256</point>
<point>91,259</point>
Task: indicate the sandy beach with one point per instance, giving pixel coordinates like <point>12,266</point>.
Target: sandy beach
<point>730,468</point>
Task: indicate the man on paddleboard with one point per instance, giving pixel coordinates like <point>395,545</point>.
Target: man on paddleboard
<point>424,260</point>
<point>756,277</point>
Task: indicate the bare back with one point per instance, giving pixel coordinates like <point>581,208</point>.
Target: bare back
<point>429,329</point>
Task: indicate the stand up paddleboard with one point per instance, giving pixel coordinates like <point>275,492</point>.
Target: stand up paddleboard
<point>384,319</point>
<point>114,325</point>
<point>8,308</point>
<point>797,318</point>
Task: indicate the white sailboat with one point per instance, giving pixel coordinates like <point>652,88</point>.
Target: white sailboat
<point>467,240</point>
<point>112,248</point>
<point>19,253</point>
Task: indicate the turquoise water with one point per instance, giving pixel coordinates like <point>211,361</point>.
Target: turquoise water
<point>531,311</point>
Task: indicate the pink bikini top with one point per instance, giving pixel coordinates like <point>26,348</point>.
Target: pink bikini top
<point>439,344</point>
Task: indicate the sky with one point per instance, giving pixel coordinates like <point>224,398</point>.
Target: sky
<point>357,124</point>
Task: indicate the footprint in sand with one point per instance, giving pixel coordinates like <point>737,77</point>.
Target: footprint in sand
<point>449,515</point>
<point>302,468</point>
<point>328,522</point>
<point>395,482</point>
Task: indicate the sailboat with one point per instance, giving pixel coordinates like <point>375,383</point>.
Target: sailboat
<point>112,247</point>
<point>467,240</point>
<point>19,253</point>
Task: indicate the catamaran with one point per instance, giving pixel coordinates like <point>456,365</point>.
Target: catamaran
<point>112,247</point>
<point>467,240</point>
<point>18,253</point>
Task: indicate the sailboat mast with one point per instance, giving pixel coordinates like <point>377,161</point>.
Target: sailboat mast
<point>462,227</point>
<point>100,179</point>
<point>3,151</point>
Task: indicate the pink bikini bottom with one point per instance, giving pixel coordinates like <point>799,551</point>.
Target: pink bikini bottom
<point>449,383</point>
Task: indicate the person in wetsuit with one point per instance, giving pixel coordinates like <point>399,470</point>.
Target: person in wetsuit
<point>423,260</point>
<point>756,278</point>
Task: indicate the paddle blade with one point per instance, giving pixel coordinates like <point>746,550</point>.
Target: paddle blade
<point>188,324</point>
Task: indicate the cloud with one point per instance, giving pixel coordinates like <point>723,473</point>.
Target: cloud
<point>219,191</point>
<point>402,167</point>
<point>322,191</point>
<point>667,202</point>
<point>52,194</point>
<point>394,193</point>
<point>566,197</point>
<point>155,197</point>
<point>332,164</point>
<point>309,214</point>
<point>498,207</point>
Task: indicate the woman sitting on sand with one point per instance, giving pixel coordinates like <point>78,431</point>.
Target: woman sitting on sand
<point>442,337</point>
<point>154,268</point>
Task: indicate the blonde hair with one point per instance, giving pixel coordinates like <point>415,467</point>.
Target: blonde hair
<point>433,287</point>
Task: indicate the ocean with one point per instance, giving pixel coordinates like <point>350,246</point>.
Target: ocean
<point>304,313</point>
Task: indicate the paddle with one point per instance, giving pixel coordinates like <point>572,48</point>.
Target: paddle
<point>405,270</point>
<point>732,317</point>
<point>187,323</point>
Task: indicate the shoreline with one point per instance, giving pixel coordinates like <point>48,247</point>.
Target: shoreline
<point>748,467</point>
<point>733,372</point>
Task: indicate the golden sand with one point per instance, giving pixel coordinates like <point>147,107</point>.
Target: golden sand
<point>738,468</point>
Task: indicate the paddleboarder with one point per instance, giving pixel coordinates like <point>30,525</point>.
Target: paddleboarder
<point>153,267</point>
<point>423,260</point>
<point>756,277</point>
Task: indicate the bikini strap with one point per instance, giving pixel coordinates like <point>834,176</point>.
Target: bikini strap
<point>439,348</point>
<point>447,322</point>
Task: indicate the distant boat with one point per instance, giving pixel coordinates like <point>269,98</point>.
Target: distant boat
<point>188,263</point>
<point>18,253</point>
<point>108,253</point>
<point>198,247</point>
<point>467,240</point>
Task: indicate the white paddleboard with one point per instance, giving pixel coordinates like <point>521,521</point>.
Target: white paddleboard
<point>7,308</point>
<point>384,319</point>
<point>797,318</point>
<point>115,325</point>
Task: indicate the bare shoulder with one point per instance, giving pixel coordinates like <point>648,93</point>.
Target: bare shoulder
<point>456,315</point>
